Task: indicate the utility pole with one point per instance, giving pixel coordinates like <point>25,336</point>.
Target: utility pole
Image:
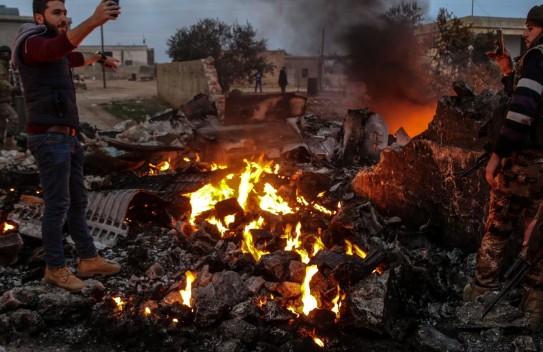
<point>472,2</point>
<point>321,60</point>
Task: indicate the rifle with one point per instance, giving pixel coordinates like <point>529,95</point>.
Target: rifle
<point>500,43</point>
<point>481,160</point>
<point>530,255</point>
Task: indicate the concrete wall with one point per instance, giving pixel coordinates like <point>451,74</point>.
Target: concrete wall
<point>179,82</point>
<point>9,27</point>
<point>277,59</point>
<point>296,65</point>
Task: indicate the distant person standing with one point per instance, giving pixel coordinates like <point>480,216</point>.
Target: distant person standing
<point>258,81</point>
<point>283,81</point>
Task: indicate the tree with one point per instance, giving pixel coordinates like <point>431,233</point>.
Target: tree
<point>453,41</point>
<point>235,49</point>
<point>405,13</point>
<point>461,55</point>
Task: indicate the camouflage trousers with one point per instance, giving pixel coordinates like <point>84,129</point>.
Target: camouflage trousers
<point>511,208</point>
<point>8,121</point>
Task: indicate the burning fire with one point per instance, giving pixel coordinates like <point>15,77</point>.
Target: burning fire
<point>337,301</point>
<point>294,243</point>
<point>245,189</point>
<point>187,292</point>
<point>349,247</point>
<point>7,227</point>
<point>247,245</point>
<point>318,341</point>
<point>412,117</point>
<point>309,301</point>
<point>119,301</point>
<point>160,167</point>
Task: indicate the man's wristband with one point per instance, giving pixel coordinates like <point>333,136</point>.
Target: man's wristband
<point>103,57</point>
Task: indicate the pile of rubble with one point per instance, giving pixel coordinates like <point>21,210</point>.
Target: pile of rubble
<point>402,203</point>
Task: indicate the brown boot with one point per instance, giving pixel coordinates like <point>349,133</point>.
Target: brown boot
<point>97,266</point>
<point>532,302</point>
<point>64,278</point>
<point>472,291</point>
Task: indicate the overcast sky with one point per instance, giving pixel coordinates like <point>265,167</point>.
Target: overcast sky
<point>281,22</point>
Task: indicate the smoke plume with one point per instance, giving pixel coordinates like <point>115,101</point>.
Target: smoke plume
<point>384,65</point>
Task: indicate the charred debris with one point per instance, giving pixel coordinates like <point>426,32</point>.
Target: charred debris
<point>346,238</point>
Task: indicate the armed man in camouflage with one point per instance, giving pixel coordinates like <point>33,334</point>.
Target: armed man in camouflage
<point>515,171</point>
<point>8,116</point>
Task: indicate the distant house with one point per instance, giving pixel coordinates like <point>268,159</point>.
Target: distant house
<point>10,22</point>
<point>512,30</point>
<point>136,61</point>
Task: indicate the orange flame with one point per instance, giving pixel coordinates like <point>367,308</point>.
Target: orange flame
<point>8,227</point>
<point>294,242</point>
<point>186,294</point>
<point>160,167</point>
<point>318,245</point>
<point>249,178</point>
<point>337,301</point>
<point>349,247</point>
<point>119,302</point>
<point>247,245</point>
<point>308,300</point>
<point>318,341</point>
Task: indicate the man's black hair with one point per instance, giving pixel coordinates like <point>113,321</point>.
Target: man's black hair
<point>39,6</point>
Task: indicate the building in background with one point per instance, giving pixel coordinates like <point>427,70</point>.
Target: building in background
<point>137,62</point>
<point>10,22</point>
<point>512,29</point>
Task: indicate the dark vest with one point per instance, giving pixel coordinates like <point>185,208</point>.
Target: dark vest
<point>49,93</point>
<point>535,138</point>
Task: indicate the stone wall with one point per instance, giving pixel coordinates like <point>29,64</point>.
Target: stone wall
<point>179,82</point>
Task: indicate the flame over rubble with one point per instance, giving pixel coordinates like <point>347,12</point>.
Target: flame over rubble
<point>245,188</point>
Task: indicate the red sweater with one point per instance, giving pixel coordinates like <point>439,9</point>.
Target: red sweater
<point>38,49</point>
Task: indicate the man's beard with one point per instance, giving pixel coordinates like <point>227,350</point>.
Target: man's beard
<point>537,40</point>
<point>54,30</point>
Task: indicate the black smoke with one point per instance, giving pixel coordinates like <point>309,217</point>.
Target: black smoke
<point>383,56</point>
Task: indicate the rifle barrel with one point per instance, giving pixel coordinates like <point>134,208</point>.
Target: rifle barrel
<point>478,163</point>
<point>515,279</point>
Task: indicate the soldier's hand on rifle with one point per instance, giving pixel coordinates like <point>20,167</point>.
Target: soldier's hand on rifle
<point>492,168</point>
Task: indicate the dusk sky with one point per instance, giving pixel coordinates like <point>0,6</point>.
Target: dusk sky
<point>283,23</point>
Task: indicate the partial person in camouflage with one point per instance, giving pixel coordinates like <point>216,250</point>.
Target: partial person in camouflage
<point>515,172</point>
<point>8,116</point>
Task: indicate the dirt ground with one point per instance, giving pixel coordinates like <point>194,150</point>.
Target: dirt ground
<point>88,100</point>
<point>324,105</point>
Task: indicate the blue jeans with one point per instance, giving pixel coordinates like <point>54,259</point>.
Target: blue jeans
<point>60,159</point>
